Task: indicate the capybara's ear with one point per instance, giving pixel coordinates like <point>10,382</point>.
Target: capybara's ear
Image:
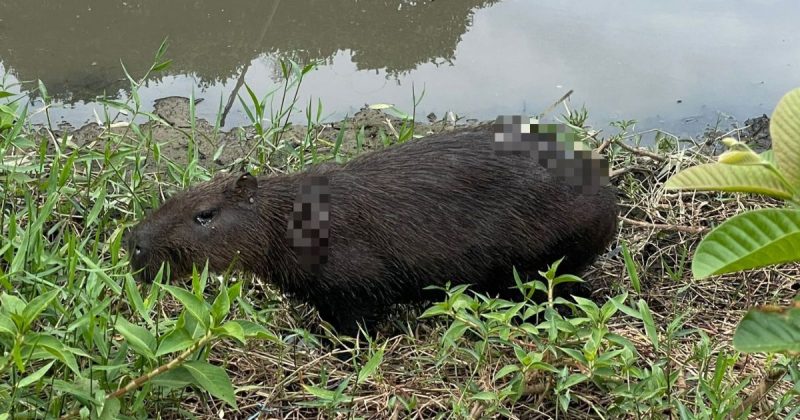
<point>245,187</point>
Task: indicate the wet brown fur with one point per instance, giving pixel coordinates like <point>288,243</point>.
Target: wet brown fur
<point>429,211</point>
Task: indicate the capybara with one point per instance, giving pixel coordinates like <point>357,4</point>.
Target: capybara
<point>355,238</point>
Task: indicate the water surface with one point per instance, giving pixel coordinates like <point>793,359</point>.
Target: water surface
<point>679,65</point>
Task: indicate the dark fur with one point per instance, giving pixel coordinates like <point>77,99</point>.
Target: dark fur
<point>438,209</point>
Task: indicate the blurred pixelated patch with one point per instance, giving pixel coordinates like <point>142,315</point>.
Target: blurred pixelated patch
<point>309,226</point>
<point>556,147</point>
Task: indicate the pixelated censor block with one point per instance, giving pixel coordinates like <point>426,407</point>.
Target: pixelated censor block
<point>554,146</point>
<point>309,224</point>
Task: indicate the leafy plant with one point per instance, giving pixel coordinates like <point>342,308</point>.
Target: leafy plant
<point>552,352</point>
<point>756,238</point>
<point>76,334</point>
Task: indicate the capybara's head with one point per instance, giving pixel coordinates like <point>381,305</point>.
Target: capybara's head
<point>208,222</point>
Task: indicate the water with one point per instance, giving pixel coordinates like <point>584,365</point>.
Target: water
<point>678,65</point>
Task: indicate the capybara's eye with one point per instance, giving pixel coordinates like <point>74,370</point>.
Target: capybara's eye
<point>205,216</point>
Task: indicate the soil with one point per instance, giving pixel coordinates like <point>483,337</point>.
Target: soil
<point>175,130</point>
<point>218,148</point>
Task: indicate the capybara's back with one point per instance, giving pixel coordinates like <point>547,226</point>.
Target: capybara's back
<point>389,223</point>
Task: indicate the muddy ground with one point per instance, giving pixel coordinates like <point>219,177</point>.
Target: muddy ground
<point>222,148</point>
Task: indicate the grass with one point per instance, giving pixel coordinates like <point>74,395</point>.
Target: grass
<point>79,337</point>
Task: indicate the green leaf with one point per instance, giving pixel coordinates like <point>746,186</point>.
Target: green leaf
<point>161,66</point>
<point>235,291</point>
<point>484,396</point>
<point>434,310</point>
<point>135,298</point>
<point>574,379</point>
<point>769,331</point>
<point>649,324</point>
<point>231,329</point>
<point>139,338</point>
<point>370,366</point>
<point>253,330</point>
<point>221,305</point>
<point>754,239</point>
<point>784,128</point>
<point>47,346</point>
<point>7,326</point>
<point>759,179</point>
<point>179,339</point>
<point>195,306</point>
<point>213,379</point>
<point>320,393</point>
<point>11,304</point>
<point>111,409</point>
<point>35,376</point>
<point>505,371</point>
<point>456,330</point>
<point>631,268</point>
<point>768,156</point>
<point>567,278</point>
<point>4,94</point>
<point>627,310</point>
<point>175,378</point>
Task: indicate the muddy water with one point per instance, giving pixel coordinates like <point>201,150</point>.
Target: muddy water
<point>679,65</point>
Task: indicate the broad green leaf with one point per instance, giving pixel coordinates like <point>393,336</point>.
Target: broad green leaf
<point>76,387</point>
<point>370,366</point>
<point>139,338</point>
<point>567,278</point>
<point>253,330</point>
<point>573,380</point>
<point>759,179</point>
<point>769,331</point>
<point>35,376</point>
<point>213,379</point>
<point>320,393</point>
<point>784,128</point>
<point>135,298</point>
<point>11,304</point>
<point>456,330</point>
<point>505,371</point>
<point>7,326</point>
<point>235,291</point>
<point>649,323</point>
<point>175,378</point>
<point>768,156</point>
<point>49,347</point>
<point>484,396</point>
<point>111,409</point>
<point>179,339</point>
<point>754,239</point>
<point>161,66</point>
<point>231,329</point>
<point>221,305</point>
<point>198,308</point>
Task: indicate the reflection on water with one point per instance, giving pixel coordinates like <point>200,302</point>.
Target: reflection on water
<point>675,65</point>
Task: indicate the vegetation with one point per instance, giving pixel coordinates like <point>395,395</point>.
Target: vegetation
<point>78,337</point>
